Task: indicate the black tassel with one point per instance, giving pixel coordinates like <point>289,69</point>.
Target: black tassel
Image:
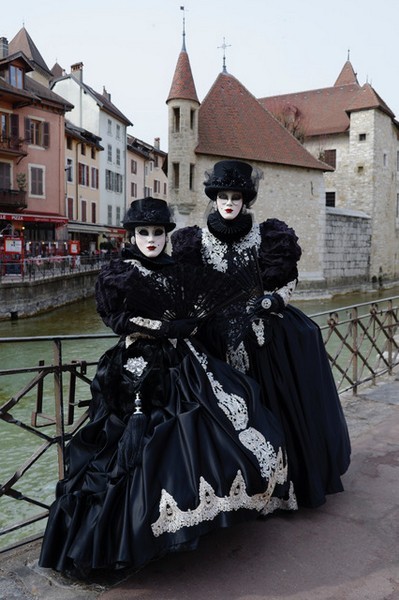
<point>130,448</point>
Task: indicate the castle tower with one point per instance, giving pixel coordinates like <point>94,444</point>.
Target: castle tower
<point>183,105</point>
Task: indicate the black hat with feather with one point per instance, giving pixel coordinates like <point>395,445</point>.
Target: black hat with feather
<point>235,176</point>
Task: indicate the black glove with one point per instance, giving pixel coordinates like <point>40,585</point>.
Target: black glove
<point>270,303</point>
<point>179,328</point>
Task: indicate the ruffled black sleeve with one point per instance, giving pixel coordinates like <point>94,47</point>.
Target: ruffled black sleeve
<point>186,245</point>
<point>113,284</point>
<point>279,254</point>
<point>129,302</point>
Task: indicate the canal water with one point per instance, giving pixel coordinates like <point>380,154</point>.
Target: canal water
<point>17,445</point>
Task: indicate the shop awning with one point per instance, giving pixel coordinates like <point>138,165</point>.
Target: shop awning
<point>34,218</point>
<point>86,228</point>
<point>116,231</point>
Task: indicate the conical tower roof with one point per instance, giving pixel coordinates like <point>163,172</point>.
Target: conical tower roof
<point>347,75</point>
<point>183,87</point>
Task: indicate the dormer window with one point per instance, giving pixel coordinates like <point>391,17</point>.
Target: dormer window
<point>16,77</point>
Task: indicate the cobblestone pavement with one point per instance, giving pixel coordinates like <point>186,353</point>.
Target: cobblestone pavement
<point>344,550</point>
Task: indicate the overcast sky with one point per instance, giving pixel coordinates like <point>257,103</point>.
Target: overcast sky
<point>131,46</point>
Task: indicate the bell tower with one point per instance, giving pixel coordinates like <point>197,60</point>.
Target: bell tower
<point>183,105</point>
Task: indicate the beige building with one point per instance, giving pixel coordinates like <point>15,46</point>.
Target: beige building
<point>349,126</point>
<point>82,194</point>
<point>144,173</point>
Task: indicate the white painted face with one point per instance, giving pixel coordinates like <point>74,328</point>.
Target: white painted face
<point>229,204</point>
<point>150,239</point>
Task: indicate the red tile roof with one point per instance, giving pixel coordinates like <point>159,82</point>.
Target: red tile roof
<point>326,111</point>
<point>22,41</point>
<point>183,87</point>
<point>232,123</point>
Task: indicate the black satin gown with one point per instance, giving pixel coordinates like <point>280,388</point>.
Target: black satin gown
<point>203,454</point>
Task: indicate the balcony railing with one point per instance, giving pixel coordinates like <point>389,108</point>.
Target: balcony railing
<point>41,414</point>
<point>13,145</point>
<point>12,199</point>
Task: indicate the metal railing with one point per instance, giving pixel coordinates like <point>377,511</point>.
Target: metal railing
<point>38,268</point>
<point>361,342</point>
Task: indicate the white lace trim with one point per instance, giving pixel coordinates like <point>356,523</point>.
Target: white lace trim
<point>238,358</point>
<point>214,252</point>
<point>265,454</point>
<point>147,323</point>
<point>286,291</point>
<point>279,503</point>
<point>258,327</point>
<point>233,406</point>
<point>172,518</point>
<point>136,263</point>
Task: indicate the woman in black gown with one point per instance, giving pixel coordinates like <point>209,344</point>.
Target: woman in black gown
<point>268,338</point>
<point>178,443</point>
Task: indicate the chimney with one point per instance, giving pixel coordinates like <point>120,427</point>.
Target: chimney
<point>3,47</point>
<point>106,94</point>
<point>77,71</point>
<point>157,142</point>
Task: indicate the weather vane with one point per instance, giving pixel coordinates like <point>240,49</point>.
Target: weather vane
<point>224,46</point>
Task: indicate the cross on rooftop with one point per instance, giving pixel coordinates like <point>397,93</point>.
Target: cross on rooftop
<point>224,46</point>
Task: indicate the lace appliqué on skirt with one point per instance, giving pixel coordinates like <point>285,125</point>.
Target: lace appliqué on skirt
<point>266,456</point>
<point>172,518</point>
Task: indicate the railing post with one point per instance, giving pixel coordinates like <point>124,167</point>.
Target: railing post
<point>354,327</point>
<point>390,336</point>
<point>59,406</point>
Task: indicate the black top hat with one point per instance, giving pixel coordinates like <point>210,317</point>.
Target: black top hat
<point>148,211</point>
<point>232,175</point>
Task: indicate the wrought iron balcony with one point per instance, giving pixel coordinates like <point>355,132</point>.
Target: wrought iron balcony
<point>12,199</point>
<point>13,146</point>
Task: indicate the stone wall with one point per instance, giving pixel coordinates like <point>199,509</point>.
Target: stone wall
<point>25,299</point>
<point>348,247</point>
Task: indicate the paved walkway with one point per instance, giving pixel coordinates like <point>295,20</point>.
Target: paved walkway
<point>346,550</point>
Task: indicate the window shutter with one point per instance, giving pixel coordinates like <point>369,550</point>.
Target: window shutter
<point>27,130</point>
<point>46,134</point>
<point>14,121</point>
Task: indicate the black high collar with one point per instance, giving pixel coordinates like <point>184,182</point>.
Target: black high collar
<point>229,230</point>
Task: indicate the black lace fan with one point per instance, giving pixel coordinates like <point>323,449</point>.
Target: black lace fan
<point>248,276</point>
<point>184,291</point>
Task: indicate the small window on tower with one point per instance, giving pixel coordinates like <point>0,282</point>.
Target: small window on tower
<point>176,120</point>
